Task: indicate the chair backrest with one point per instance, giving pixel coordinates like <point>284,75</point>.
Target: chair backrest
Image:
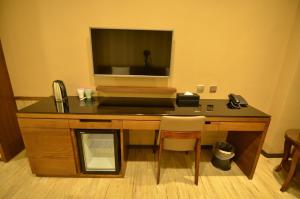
<point>181,124</point>
<point>176,123</point>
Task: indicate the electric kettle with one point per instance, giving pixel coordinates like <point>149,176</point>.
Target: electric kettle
<point>59,91</point>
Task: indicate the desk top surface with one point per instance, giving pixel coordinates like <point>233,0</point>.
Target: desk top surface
<point>139,106</point>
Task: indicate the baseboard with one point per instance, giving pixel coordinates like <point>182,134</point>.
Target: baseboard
<point>271,155</point>
<point>138,146</point>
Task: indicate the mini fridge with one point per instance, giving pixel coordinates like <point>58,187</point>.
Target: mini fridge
<point>99,150</point>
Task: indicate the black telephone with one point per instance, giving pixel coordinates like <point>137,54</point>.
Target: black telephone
<point>236,101</point>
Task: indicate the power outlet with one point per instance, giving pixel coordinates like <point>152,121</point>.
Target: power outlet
<point>213,89</point>
<point>200,88</point>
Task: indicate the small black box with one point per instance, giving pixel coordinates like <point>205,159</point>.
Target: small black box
<point>187,100</point>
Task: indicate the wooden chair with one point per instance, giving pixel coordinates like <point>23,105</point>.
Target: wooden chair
<point>292,138</point>
<point>181,134</point>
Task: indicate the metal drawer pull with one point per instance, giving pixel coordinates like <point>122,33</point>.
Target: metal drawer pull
<point>207,122</point>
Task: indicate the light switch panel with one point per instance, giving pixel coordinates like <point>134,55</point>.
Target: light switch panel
<point>200,88</point>
<point>213,89</point>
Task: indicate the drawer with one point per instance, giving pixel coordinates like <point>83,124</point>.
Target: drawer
<point>47,142</point>
<point>211,126</point>
<point>143,125</point>
<point>53,166</point>
<point>43,123</point>
<point>234,126</point>
<point>241,126</point>
<point>95,124</point>
<point>50,151</point>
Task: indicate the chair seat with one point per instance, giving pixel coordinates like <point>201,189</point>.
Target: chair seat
<point>293,135</point>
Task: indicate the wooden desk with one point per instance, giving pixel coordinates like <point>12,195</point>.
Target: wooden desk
<point>52,148</point>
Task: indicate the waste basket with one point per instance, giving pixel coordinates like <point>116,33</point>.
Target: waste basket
<point>222,155</point>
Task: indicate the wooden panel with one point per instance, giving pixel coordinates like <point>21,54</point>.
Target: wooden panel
<point>96,124</point>
<point>248,148</point>
<point>50,151</point>
<point>75,149</point>
<point>136,89</point>
<point>246,145</point>
<point>241,126</point>
<point>1,152</point>
<point>44,123</point>
<point>53,166</point>
<point>123,154</point>
<point>81,116</point>
<point>10,137</point>
<point>213,126</point>
<point>135,117</point>
<point>144,125</point>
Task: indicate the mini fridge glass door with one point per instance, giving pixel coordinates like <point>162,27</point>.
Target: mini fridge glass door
<point>99,150</point>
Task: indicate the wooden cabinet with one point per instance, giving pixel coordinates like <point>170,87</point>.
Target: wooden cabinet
<point>50,150</point>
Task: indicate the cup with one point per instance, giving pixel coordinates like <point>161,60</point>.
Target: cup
<point>88,93</point>
<point>80,92</point>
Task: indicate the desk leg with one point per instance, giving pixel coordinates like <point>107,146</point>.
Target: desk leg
<point>155,140</point>
<point>248,146</point>
<point>124,141</point>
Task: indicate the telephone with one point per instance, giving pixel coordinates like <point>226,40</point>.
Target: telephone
<point>236,101</point>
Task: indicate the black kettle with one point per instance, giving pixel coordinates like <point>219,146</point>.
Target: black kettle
<point>59,91</point>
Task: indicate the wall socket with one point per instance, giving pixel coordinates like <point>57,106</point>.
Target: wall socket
<point>200,88</point>
<point>213,89</point>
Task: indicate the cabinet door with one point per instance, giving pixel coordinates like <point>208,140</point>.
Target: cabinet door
<point>50,151</point>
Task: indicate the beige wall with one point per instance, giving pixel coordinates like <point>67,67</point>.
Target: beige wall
<point>285,108</point>
<point>240,46</point>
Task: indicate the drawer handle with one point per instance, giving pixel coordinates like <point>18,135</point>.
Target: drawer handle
<point>94,120</point>
<point>207,122</point>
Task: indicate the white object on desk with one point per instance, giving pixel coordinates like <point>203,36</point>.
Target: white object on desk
<point>88,93</point>
<point>80,92</point>
<point>188,93</point>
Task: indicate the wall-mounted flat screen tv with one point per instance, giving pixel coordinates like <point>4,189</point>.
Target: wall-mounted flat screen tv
<point>123,52</point>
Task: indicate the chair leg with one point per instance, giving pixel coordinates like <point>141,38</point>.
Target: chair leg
<point>292,169</point>
<point>197,160</point>
<point>155,140</point>
<point>158,159</point>
<point>287,151</point>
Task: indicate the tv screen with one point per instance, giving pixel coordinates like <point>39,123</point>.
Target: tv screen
<point>131,52</point>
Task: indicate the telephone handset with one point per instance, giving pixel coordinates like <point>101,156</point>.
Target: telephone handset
<point>236,101</point>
